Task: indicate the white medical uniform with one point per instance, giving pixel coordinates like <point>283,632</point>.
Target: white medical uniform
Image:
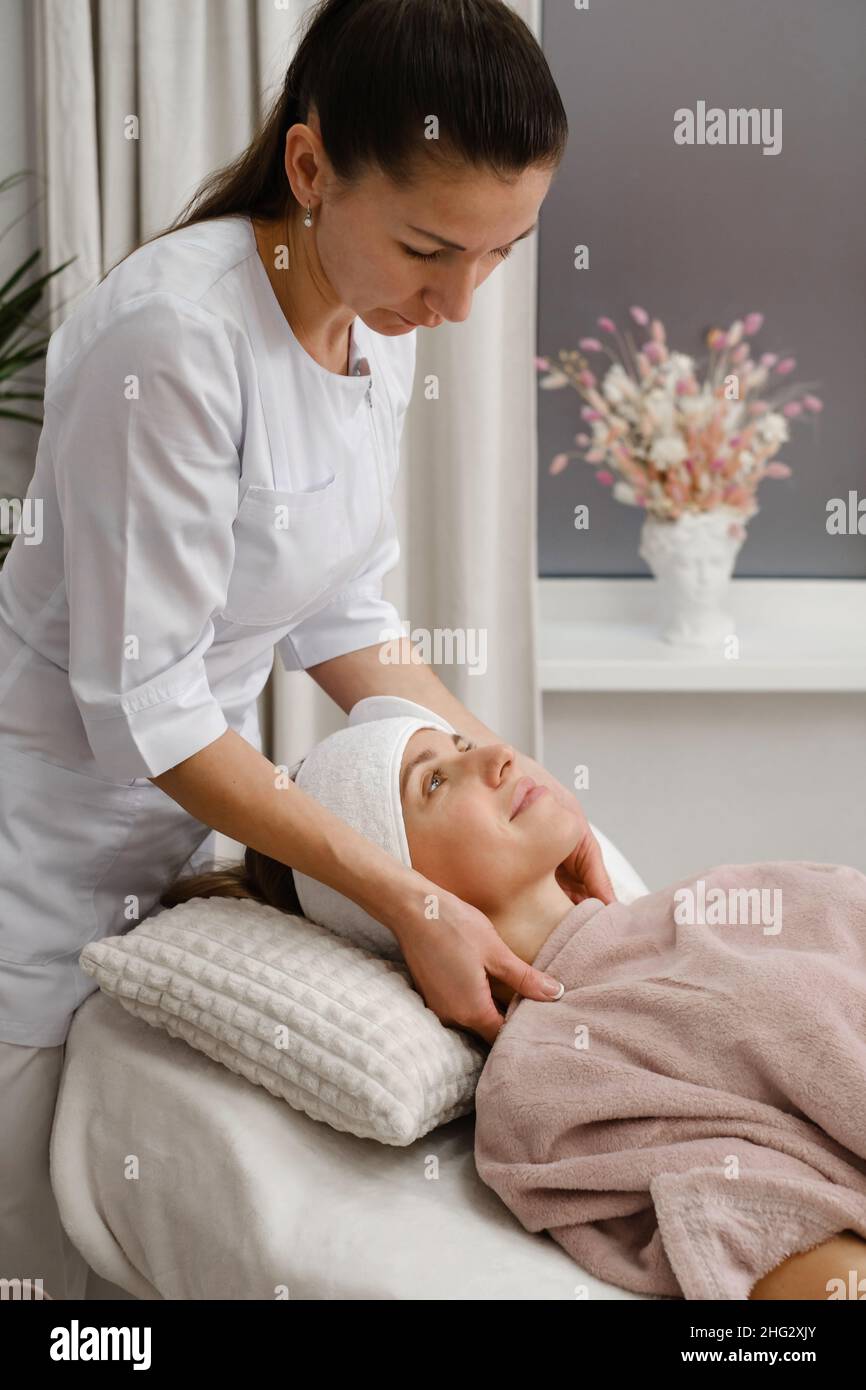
<point>208,491</point>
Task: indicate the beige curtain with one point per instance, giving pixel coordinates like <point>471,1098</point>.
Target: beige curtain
<point>136,101</point>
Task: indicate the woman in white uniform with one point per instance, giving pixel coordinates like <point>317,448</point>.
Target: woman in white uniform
<point>222,423</point>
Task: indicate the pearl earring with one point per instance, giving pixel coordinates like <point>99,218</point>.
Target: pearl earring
<point>308,220</point>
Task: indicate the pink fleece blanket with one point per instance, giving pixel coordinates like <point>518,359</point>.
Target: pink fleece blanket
<point>693,1110</point>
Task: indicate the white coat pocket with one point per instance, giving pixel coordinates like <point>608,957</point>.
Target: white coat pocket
<point>60,832</point>
<point>290,548</point>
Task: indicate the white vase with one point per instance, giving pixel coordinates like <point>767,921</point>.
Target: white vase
<point>693,558</point>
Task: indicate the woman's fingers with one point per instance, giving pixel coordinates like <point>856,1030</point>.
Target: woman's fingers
<point>525,979</point>
<point>589,864</point>
<point>583,874</point>
<point>486,1018</point>
<point>450,959</point>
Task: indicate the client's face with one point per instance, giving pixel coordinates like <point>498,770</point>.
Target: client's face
<point>470,830</point>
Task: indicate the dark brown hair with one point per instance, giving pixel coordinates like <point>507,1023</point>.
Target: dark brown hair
<point>376,71</point>
<point>256,876</point>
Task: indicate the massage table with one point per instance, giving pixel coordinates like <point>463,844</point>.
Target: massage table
<point>177,1179</point>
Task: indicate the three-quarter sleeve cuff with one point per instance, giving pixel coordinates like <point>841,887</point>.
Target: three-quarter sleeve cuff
<point>355,619</point>
<point>145,740</point>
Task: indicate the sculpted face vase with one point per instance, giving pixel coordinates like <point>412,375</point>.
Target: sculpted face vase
<point>693,558</point>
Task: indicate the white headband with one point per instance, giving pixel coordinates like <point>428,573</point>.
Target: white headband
<point>355,773</point>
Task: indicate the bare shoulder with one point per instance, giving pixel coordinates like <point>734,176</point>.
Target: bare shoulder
<point>831,1269</point>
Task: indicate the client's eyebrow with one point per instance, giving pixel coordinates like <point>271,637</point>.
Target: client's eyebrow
<point>425,756</point>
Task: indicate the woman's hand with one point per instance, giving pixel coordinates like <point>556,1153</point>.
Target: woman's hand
<point>582,873</point>
<point>451,956</point>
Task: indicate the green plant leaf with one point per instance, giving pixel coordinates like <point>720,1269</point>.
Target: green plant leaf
<point>23,343</point>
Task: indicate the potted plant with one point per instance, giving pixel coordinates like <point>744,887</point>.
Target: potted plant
<point>22,344</point>
<point>688,446</point>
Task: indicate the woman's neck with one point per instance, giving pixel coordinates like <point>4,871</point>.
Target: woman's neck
<point>320,324</point>
<point>527,920</point>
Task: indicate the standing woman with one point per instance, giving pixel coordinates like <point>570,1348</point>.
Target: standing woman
<point>222,422</point>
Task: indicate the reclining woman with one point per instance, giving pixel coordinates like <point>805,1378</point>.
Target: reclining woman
<point>689,1118</point>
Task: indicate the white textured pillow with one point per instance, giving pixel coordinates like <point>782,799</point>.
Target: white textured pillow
<point>319,1022</point>
<point>335,1031</point>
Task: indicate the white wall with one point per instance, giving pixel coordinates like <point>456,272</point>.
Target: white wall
<point>682,782</point>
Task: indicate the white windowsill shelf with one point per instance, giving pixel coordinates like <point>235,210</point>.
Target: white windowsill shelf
<point>802,635</point>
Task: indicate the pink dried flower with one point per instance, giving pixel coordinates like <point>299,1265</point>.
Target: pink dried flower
<point>736,495</point>
<point>716,470</point>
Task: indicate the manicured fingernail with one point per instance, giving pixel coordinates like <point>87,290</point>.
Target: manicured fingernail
<point>555,988</point>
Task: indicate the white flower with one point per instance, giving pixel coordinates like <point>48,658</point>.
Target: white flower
<point>553,380</point>
<point>679,364</point>
<point>661,413</point>
<point>698,410</point>
<point>734,414</point>
<point>757,378</point>
<point>772,429</point>
<point>624,492</point>
<point>667,450</point>
<point>618,385</point>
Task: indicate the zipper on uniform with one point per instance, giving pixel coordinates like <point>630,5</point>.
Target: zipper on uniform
<point>372,418</point>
